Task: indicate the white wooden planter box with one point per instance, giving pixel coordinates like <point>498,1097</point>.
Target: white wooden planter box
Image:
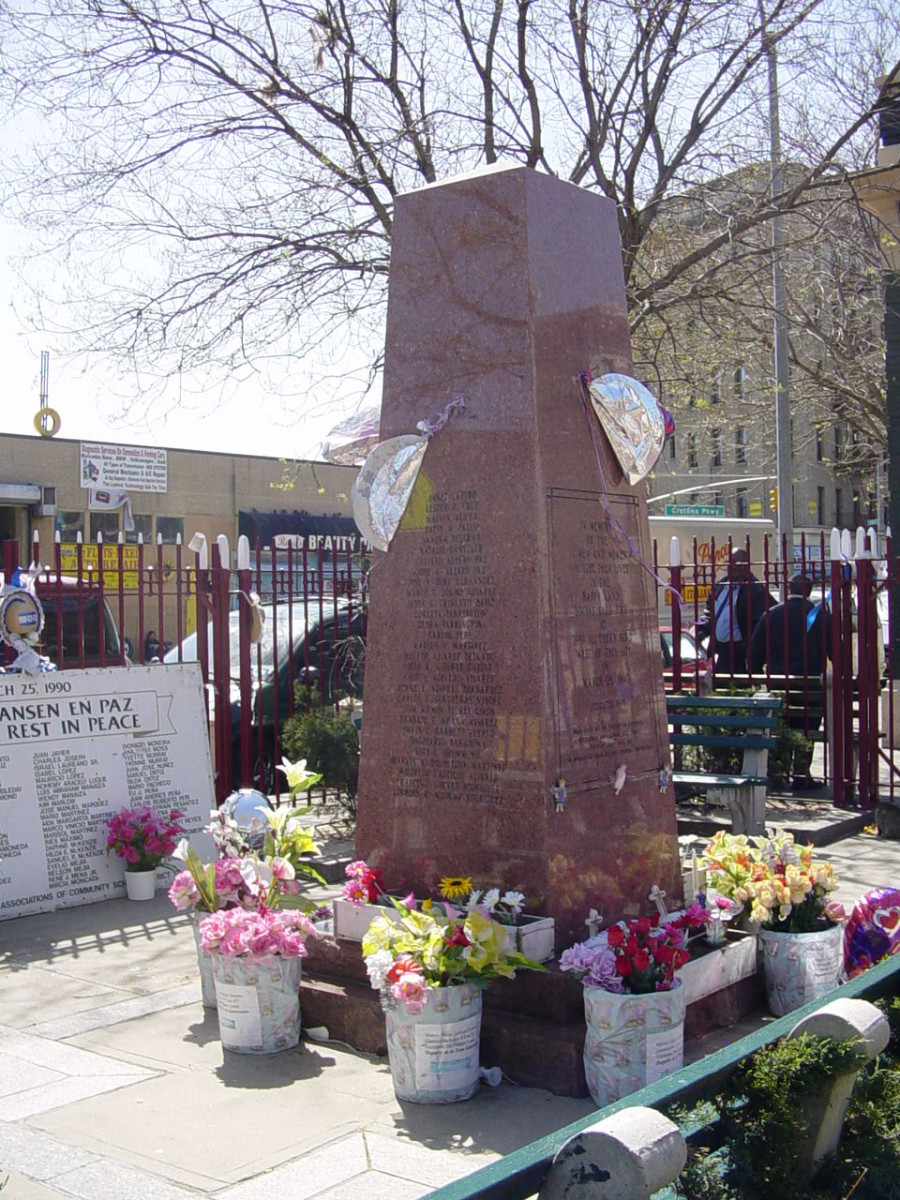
<point>352,923</point>
<point>534,937</point>
<point>733,960</point>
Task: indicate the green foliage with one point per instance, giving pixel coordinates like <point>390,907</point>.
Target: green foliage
<point>327,740</point>
<point>750,1143</point>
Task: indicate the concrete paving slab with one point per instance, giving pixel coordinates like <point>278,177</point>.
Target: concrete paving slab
<point>375,1186</point>
<point>118,1013</point>
<point>309,1175</point>
<point>28,994</point>
<point>38,1155</point>
<point>420,1164</point>
<point>20,1187</point>
<point>103,1180</point>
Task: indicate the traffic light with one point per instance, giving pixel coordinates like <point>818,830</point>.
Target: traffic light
<point>773,499</point>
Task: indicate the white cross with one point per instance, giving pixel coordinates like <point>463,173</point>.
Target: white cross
<point>593,922</point>
<point>657,896</point>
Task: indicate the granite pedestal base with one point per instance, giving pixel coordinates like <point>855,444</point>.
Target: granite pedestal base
<point>532,1027</point>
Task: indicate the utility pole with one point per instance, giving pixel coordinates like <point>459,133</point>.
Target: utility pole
<point>784,454</point>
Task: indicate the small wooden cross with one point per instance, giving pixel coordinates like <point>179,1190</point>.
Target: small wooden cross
<point>593,922</point>
<point>657,896</point>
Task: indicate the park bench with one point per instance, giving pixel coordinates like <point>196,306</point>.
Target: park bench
<point>746,723</point>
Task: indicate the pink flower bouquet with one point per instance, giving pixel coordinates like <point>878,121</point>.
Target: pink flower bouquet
<point>260,933</point>
<point>142,837</point>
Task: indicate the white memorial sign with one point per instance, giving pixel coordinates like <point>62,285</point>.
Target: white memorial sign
<point>78,746</point>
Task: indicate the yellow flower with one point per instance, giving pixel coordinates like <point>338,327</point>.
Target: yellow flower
<point>454,887</point>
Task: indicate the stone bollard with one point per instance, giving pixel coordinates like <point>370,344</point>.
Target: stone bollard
<point>843,1020</point>
<point>627,1156</point>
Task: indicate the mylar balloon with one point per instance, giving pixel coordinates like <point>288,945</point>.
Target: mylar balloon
<point>873,930</point>
<point>383,487</point>
<point>632,420</point>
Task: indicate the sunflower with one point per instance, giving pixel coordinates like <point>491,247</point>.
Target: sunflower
<point>453,887</point>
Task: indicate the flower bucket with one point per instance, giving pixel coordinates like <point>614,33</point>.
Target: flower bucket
<point>140,885</point>
<point>205,963</point>
<point>258,1000</point>
<point>434,1054</point>
<point>631,1040</point>
<point>800,967</point>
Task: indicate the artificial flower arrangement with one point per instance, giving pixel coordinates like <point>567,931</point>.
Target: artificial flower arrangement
<point>781,885</point>
<point>142,837</point>
<point>636,956</point>
<point>256,933</point>
<point>434,949</point>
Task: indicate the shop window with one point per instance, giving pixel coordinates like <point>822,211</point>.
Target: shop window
<point>143,526</point>
<point>170,529</point>
<point>69,525</point>
<point>105,523</point>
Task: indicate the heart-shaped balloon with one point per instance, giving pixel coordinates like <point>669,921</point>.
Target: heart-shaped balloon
<point>632,420</point>
<point>873,929</point>
<point>382,489</point>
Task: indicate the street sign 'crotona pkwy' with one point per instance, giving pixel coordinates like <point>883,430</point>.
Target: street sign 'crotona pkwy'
<point>695,510</point>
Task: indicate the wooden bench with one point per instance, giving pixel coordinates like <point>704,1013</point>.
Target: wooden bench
<point>746,723</point>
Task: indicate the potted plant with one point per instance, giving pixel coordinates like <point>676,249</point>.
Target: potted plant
<point>783,888</point>
<point>633,1004</point>
<point>256,955</point>
<point>144,840</point>
<point>430,968</point>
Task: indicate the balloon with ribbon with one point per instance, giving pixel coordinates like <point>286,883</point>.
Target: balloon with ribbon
<point>382,489</point>
<point>632,421</point>
<point>873,930</point>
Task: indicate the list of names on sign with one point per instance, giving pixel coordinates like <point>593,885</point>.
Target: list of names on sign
<point>447,700</point>
<point>600,602</point>
<point>78,746</point>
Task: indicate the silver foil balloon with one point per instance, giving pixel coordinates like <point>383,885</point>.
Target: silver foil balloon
<point>382,489</point>
<point>248,808</point>
<point>632,421</point>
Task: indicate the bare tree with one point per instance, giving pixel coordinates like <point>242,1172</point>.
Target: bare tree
<point>226,169</point>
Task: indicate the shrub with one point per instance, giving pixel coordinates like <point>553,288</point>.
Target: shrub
<point>329,742</point>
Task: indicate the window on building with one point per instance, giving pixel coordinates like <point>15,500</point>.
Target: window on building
<point>718,498</point>
<point>106,523</point>
<point>820,506</point>
<point>672,451</point>
<point>740,383</point>
<point>169,529</point>
<point>695,497</point>
<point>143,525</point>
<point>742,506</point>
<point>692,451</point>
<point>69,525</point>
<point>838,507</point>
<point>838,443</point>
<point>715,437</point>
<point>820,446</point>
<point>740,445</point>
<point>715,395</point>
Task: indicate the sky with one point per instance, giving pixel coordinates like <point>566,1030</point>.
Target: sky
<point>88,392</point>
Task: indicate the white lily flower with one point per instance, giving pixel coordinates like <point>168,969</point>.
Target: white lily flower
<point>181,850</point>
<point>474,898</point>
<point>491,899</point>
<point>514,901</point>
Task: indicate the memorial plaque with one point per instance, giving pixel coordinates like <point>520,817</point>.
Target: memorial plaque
<point>513,638</point>
<point>78,746</point>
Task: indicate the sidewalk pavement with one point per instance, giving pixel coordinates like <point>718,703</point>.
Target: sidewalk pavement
<point>113,1082</point>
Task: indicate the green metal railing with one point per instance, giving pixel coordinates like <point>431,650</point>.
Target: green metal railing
<point>519,1175</point>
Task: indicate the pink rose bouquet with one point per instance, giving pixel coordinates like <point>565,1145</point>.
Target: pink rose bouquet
<point>249,933</point>
<point>142,837</point>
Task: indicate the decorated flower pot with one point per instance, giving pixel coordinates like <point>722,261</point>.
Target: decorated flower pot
<point>434,1054</point>
<point>258,1001</point>
<point>205,963</point>
<point>140,885</point>
<point>631,1040</point>
<point>800,967</point>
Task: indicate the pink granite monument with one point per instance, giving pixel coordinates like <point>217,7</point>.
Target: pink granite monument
<point>514,716</point>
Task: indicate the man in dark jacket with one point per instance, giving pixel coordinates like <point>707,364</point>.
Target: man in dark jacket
<point>795,639</point>
<point>731,614</point>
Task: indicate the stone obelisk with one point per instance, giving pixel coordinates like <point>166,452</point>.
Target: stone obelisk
<point>514,724</point>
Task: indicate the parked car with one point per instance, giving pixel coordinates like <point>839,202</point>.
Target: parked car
<point>316,644</point>
<point>76,625</point>
<point>695,663</point>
